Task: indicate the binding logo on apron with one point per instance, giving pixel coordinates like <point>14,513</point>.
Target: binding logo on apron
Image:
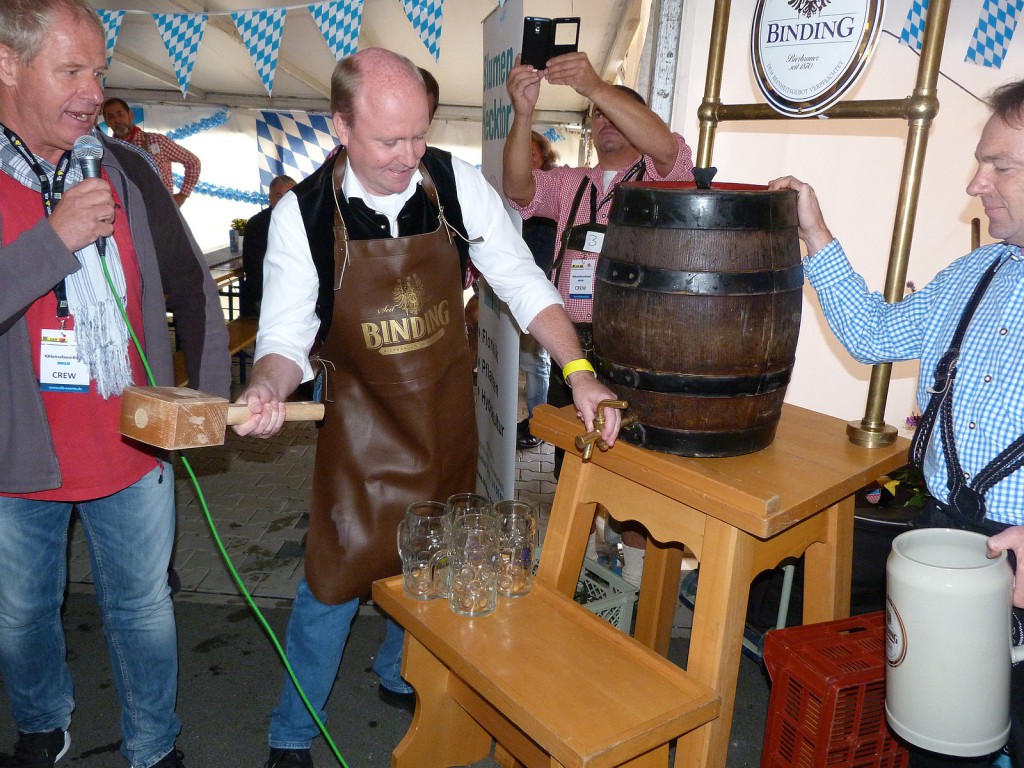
<point>409,322</point>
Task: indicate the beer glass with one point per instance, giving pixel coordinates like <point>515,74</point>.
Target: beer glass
<point>474,564</point>
<point>460,504</point>
<point>423,539</point>
<point>518,540</point>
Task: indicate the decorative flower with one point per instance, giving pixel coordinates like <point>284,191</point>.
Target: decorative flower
<point>239,225</point>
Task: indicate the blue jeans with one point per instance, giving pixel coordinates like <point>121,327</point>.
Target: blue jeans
<point>314,642</point>
<point>130,535</point>
<point>535,362</point>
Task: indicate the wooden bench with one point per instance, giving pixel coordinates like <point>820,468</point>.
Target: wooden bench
<point>551,682</point>
<point>241,336</point>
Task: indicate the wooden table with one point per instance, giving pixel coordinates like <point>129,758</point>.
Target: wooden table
<point>226,271</point>
<point>550,681</point>
<point>738,515</point>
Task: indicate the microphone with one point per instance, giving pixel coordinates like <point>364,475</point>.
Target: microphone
<point>88,151</point>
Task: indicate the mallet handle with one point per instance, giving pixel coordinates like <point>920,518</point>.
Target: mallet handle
<point>238,413</point>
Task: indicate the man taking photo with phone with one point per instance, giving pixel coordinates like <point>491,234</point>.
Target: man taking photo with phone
<point>632,144</point>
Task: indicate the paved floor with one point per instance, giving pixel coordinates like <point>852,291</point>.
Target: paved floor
<point>257,493</point>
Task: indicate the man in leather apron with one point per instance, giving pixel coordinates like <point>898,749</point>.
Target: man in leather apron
<point>364,271</point>
<point>633,144</point>
<point>966,328</point>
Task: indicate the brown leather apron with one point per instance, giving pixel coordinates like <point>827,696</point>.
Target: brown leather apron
<point>399,425</point>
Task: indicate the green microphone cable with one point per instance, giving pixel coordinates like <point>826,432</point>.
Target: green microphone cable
<point>216,536</point>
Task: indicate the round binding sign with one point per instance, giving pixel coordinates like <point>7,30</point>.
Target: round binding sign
<point>807,53</point>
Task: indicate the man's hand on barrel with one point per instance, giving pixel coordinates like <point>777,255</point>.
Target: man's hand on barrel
<point>813,230</point>
<point>587,392</point>
<point>273,378</point>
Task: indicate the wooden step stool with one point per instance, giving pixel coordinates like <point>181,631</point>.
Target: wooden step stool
<point>551,682</point>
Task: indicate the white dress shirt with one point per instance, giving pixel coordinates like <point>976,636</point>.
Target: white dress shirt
<point>288,322</point>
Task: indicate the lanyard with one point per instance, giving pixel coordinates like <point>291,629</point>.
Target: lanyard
<point>51,194</point>
<point>636,171</point>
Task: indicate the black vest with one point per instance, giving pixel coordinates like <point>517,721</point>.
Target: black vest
<point>316,204</point>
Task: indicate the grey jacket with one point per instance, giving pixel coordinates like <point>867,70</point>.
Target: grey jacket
<point>174,279</point>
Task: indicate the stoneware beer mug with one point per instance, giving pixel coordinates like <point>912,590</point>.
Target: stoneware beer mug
<point>948,642</point>
<point>423,539</point>
<point>474,564</point>
<point>517,546</point>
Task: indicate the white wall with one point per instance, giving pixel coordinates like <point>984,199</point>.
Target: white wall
<point>855,167</point>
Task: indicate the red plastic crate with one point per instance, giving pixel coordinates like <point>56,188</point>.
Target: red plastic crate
<point>827,705</point>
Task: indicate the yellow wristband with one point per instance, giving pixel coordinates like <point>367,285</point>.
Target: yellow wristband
<point>582,364</point>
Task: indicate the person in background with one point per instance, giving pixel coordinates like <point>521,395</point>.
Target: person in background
<point>433,91</point>
<point>254,248</point>
<point>965,328</point>
<point>399,424</point>
<point>66,358</point>
<point>632,144</point>
<point>534,360</point>
<point>118,116</point>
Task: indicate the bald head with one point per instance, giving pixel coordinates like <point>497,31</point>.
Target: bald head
<point>372,71</point>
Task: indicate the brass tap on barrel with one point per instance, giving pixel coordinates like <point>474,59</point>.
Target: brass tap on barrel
<point>585,443</point>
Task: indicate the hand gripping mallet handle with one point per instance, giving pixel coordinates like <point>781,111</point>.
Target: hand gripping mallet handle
<point>238,413</point>
<point>176,417</point>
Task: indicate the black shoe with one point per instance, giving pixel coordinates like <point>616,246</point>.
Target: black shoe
<point>33,749</point>
<point>406,701</point>
<point>173,759</point>
<point>289,758</point>
<point>524,438</point>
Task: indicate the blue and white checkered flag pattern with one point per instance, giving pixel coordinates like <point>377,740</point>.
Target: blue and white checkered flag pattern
<point>994,32</point>
<point>425,16</point>
<point>181,33</point>
<point>913,28</point>
<point>112,27</point>
<point>293,144</point>
<point>261,32</point>
<point>339,22</point>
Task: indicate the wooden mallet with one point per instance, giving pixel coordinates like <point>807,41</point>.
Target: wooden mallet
<point>178,417</point>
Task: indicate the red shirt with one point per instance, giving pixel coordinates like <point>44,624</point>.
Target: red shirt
<point>95,460</point>
<point>164,153</point>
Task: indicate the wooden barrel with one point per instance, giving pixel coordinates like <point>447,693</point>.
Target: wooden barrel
<point>696,313</point>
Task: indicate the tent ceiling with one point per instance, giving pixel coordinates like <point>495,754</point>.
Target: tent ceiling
<point>224,75</point>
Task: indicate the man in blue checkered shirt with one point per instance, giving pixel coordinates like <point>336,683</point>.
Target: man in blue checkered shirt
<point>967,328</point>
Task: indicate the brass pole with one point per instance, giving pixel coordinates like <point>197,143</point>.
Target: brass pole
<point>919,109</point>
<point>872,431</point>
<point>706,114</point>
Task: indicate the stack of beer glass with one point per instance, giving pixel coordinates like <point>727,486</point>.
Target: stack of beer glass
<point>468,551</point>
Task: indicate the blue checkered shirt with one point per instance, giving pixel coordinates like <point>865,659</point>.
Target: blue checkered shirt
<point>988,396</point>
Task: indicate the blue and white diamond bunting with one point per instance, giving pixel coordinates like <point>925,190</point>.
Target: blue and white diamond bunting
<point>112,28</point>
<point>994,32</point>
<point>181,33</point>
<point>261,32</point>
<point>339,22</point>
<point>426,16</point>
<point>913,28</point>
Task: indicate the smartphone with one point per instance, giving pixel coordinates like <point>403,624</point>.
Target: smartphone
<point>544,39</point>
